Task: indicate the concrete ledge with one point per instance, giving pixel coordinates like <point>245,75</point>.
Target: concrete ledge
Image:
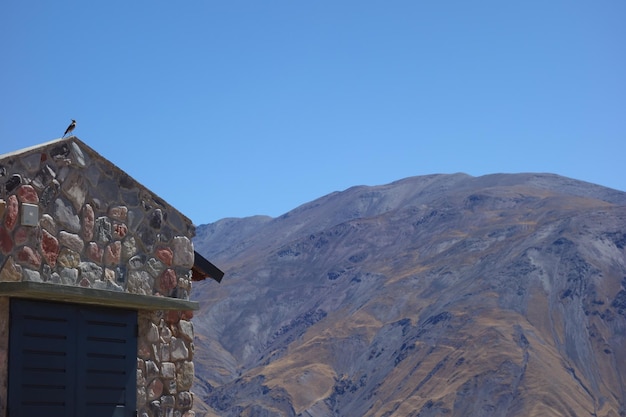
<point>69,294</point>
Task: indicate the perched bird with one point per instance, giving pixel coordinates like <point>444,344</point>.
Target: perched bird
<point>70,127</point>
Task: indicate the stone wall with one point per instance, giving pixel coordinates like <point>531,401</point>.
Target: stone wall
<point>165,369</point>
<point>70,217</point>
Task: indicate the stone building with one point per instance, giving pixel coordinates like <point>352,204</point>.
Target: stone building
<point>95,276</point>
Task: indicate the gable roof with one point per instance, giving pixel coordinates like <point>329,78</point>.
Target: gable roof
<point>73,153</point>
<point>76,152</point>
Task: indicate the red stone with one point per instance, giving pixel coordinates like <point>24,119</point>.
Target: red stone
<point>94,252</point>
<point>88,222</point>
<point>112,254</point>
<point>167,280</point>
<point>172,316</point>
<point>165,255</point>
<point>6,243</point>
<point>49,247</point>
<point>10,219</point>
<point>23,235</point>
<point>119,230</point>
<point>27,256</point>
<point>155,389</point>
<point>186,315</point>
<point>27,194</point>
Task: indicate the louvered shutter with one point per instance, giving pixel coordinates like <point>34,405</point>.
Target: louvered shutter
<point>71,360</point>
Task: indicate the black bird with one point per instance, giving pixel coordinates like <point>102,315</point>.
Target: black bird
<point>70,127</point>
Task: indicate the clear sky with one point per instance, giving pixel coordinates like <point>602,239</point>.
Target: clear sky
<point>236,108</point>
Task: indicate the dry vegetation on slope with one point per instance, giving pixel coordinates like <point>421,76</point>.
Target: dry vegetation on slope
<point>502,295</point>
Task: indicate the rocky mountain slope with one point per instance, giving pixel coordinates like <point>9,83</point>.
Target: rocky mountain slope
<point>441,295</point>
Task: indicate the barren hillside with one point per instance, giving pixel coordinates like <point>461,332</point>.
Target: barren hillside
<point>501,295</point>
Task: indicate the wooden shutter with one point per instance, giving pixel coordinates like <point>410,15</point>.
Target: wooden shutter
<point>71,360</point>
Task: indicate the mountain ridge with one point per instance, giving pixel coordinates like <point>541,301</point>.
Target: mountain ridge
<point>322,307</point>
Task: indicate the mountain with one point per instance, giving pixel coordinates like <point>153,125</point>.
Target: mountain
<point>440,295</point>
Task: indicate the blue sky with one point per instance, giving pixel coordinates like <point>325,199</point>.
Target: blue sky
<point>231,109</point>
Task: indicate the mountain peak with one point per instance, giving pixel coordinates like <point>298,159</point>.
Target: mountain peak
<point>442,294</point>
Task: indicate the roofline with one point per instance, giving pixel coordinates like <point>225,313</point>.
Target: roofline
<point>35,148</point>
<point>202,269</point>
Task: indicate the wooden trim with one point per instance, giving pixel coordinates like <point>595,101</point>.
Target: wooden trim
<point>202,269</point>
<point>80,295</point>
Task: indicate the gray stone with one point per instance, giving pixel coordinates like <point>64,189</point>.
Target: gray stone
<point>65,215</point>
<point>155,353</point>
<point>178,350</point>
<point>129,248</point>
<point>183,252</point>
<point>78,156</point>
<point>30,275</point>
<point>131,197</point>
<point>90,271</point>
<point>46,272</point>
<point>13,182</point>
<point>140,282</point>
<point>168,401</point>
<point>75,189</point>
<point>185,399</point>
<point>136,262</point>
<point>148,237</point>
<point>108,190</point>
<point>43,177</point>
<point>55,278</point>
<point>60,152</point>
<point>181,293</point>
<point>141,396</point>
<point>155,407</point>
<point>92,174</point>
<point>168,370</point>
<point>152,370</point>
<point>63,172</point>
<point>49,193</point>
<point>32,162</point>
<point>107,285</point>
<point>156,219</point>
<point>135,217</point>
<point>104,230</point>
<point>72,241</point>
<point>141,380</point>
<point>165,352</point>
<point>186,330</point>
<point>152,333</point>
<point>47,223</point>
<point>68,276</point>
<point>120,274</point>
<point>176,221</point>
<point>166,334</point>
<point>155,267</point>
<point>184,375</point>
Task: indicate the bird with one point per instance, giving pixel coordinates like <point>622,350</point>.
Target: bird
<point>70,127</point>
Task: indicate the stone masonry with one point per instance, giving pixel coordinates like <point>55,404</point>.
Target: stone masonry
<point>70,217</point>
